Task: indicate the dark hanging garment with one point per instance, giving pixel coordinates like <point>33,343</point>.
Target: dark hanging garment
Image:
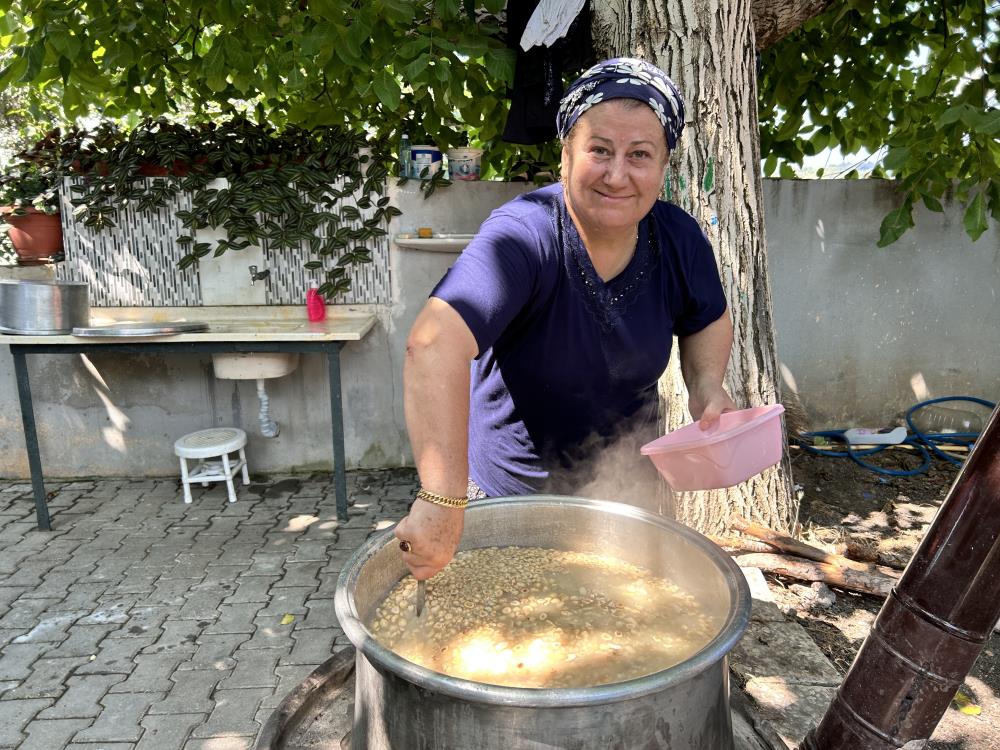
<point>538,74</point>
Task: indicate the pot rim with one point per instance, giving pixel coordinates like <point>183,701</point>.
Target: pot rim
<point>714,651</point>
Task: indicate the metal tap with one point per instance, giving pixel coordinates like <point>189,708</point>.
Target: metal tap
<point>256,275</point>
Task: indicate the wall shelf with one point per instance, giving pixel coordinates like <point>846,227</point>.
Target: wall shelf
<point>439,243</point>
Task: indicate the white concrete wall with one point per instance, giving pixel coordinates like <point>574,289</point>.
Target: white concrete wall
<point>864,332</point>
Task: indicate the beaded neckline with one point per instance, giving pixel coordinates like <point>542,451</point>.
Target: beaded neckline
<point>608,302</point>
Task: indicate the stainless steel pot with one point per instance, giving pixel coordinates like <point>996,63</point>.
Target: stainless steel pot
<point>43,308</point>
<point>399,704</point>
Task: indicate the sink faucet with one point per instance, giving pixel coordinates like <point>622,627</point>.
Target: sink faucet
<point>256,275</point>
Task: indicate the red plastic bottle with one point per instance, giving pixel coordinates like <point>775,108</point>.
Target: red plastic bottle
<point>315,304</point>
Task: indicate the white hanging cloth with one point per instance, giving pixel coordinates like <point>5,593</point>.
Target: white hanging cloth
<point>550,22</point>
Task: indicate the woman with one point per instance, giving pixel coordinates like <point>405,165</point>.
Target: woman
<point>564,304</point>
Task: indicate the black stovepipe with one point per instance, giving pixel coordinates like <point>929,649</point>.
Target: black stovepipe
<point>934,624</point>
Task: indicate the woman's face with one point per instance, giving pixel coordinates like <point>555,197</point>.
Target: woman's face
<point>613,165</point>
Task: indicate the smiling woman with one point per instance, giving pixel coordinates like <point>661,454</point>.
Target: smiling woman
<point>533,367</point>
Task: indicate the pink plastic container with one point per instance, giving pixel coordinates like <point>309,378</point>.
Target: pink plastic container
<point>741,444</point>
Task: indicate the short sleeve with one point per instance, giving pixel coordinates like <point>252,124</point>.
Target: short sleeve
<point>494,277</point>
<point>704,298</point>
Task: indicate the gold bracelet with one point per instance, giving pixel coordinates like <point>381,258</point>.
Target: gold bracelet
<point>445,500</point>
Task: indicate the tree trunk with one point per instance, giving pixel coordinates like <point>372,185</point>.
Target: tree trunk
<point>707,48</point>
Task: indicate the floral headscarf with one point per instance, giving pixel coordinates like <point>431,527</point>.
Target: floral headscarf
<point>624,78</point>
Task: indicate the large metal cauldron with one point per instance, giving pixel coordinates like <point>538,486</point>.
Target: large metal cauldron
<point>43,308</point>
<point>401,705</point>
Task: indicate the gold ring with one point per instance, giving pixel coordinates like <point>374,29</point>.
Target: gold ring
<point>404,545</point>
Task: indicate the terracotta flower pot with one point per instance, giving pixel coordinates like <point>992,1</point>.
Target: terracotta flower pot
<point>35,236</point>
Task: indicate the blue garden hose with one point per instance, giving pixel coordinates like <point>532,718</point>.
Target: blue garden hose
<point>926,444</point>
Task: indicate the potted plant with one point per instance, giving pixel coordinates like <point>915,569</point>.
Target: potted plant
<point>29,206</point>
<point>286,188</point>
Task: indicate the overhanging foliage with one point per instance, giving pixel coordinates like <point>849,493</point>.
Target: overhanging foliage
<point>917,78</point>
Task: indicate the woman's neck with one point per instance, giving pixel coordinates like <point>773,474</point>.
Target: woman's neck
<point>609,250</point>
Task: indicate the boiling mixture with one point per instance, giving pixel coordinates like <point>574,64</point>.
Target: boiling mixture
<point>541,618</point>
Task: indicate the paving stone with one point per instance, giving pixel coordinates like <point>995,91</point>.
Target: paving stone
<point>287,600</point>
<point>299,575</point>
<point>51,734</point>
<point>215,652</point>
<point>781,651</point>
<point>100,746</point>
<point>168,732</point>
<point>56,585</point>
<point>234,714</point>
<point>119,721</point>
<point>326,529</point>
<point>791,709</point>
<point>16,714</point>
<point>179,636</point>
<point>84,640</point>
<point>235,618</point>
<point>170,592</point>
<point>270,633</point>
<point>17,658</point>
<point>763,608</point>
<point>115,655</point>
<point>267,564</point>
<point>351,539</point>
<point>8,635</point>
<point>114,612</point>
<point>51,628</point>
<point>82,595</point>
<point>202,605</point>
<point>254,668</point>
<point>81,697</point>
<point>139,581</point>
<point>222,742</point>
<point>26,613</point>
<point>311,646</point>
<point>110,569</point>
<point>251,589</point>
<point>191,692</point>
<point>151,674</point>
<point>320,614</point>
<point>47,679</point>
<point>142,621</point>
<point>224,576</point>
<point>190,565</point>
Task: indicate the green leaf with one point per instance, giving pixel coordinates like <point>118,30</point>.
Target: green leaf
<point>975,217</point>
<point>500,64</point>
<point>387,89</point>
<point>932,203</point>
<point>896,157</point>
<point>894,224</point>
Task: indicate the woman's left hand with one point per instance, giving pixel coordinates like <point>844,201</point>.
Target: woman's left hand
<point>707,405</point>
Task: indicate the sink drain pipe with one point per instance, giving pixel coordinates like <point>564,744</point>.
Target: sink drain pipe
<point>934,624</point>
<point>268,427</point>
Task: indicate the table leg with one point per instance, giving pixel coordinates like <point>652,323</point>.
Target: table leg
<point>31,439</point>
<point>337,425</point>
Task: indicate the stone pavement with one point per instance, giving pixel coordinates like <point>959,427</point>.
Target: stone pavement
<point>142,623</point>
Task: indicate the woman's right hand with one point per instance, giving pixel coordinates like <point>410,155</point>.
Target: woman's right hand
<point>433,532</point>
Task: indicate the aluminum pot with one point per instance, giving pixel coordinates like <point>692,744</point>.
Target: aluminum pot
<point>399,704</point>
<point>43,308</point>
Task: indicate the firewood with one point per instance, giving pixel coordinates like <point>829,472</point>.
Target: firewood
<point>800,549</point>
<point>877,582</point>
<point>741,544</point>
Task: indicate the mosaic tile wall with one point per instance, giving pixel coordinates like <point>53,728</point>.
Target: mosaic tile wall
<point>135,263</point>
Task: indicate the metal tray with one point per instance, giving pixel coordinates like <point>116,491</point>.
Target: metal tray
<point>132,330</point>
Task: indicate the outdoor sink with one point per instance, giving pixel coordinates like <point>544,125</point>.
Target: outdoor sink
<point>254,365</point>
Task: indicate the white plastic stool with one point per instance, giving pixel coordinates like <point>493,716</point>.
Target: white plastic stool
<point>211,443</point>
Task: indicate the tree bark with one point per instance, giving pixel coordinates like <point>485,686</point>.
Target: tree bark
<point>707,48</point>
<point>775,19</point>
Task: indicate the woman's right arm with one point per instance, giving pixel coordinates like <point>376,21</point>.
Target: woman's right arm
<point>436,404</point>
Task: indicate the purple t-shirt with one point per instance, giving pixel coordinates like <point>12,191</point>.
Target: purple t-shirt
<point>566,361</point>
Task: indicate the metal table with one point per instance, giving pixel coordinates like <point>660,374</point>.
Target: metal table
<point>326,338</point>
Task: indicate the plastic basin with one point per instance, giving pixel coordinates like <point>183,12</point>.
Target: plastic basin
<point>742,443</point>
